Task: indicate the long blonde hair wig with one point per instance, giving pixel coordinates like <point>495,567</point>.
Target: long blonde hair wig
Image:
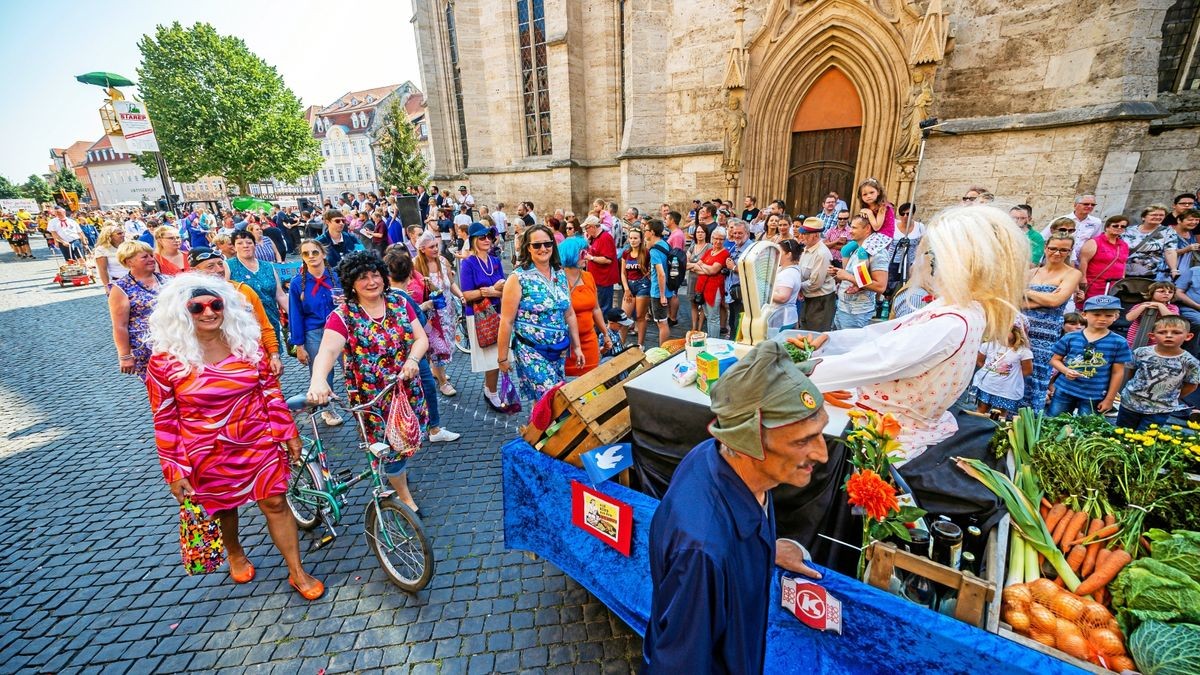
<point>172,331</point>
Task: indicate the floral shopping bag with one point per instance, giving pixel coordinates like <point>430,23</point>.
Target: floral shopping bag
<point>200,541</point>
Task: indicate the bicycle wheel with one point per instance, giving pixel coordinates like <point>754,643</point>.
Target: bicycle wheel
<point>395,536</point>
<point>305,509</point>
<point>461,339</point>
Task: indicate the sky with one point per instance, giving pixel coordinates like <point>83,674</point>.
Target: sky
<point>48,42</point>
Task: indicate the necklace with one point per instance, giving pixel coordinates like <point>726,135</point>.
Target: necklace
<point>487,268</point>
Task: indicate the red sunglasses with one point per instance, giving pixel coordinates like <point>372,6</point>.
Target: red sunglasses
<point>197,307</point>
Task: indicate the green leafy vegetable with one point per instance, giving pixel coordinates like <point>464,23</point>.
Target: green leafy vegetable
<point>1151,590</point>
<point>1166,649</point>
<point>1179,549</point>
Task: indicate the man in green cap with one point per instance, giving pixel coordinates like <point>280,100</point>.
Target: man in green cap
<point>712,541</point>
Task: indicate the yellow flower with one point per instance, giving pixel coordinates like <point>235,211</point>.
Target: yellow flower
<point>1176,427</point>
<point>1193,425</point>
<point>1120,430</point>
<point>1148,443</point>
<point>1153,426</point>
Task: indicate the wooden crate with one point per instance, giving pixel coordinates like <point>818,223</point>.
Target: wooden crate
<point>974,593</point>
<point>600,420</point>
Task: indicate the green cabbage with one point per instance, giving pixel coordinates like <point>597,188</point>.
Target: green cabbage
<point>1150,589</point>
<point>1179,549</point>
<point>1166,648</point>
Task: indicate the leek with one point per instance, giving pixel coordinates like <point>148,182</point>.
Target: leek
<point>1016,561</point>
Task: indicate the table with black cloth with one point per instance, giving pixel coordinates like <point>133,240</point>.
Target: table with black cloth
<point>668,420</point>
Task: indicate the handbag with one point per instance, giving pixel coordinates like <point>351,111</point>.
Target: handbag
<point>402,429</point>
<point>487,323</point>
<point>506,391</point>
<point>200,543</point>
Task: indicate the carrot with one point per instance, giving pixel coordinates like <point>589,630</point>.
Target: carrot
<point>1145,544</point>
<point>1046,504</point>
<point>836,402</point>
<point>839,393</point>
<point>1103,532</point>
<point>1075,559</point>
<point>1057,532</point>
<point>1045,511</point>
<point>1093,549</point>
<point>1057,511</point>
<point>1058,581</point>
<point>1104,572</point>
<point>1110,519</point>
<point>1072,532</point>
<point>1101,596</point>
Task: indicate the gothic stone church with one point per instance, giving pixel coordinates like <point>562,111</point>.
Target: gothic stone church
<point>645,101</point>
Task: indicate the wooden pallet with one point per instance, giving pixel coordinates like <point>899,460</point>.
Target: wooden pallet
<point>600,420</point>
<point>974,593</point>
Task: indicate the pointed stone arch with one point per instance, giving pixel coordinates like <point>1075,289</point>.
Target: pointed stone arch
<point>840,34</point>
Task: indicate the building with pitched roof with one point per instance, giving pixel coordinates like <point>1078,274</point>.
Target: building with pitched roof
<point>117,180</point>
<point>73,158</point>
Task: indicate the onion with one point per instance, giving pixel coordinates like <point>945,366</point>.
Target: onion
<point>1043,590</point>
<point>1042,637</point>
<point>1107,642</point>
<point>1017,597</point>
<point>1018,620</point>
<point>1121,663</point>
<point>1063,628</point>
<point>1066,606</point>
<point>1042,618</point>
<point>1074,645</point>
<point>1095,614</point>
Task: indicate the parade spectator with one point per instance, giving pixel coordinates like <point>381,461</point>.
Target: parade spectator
<point>880,214</point>
<point>443,319</point>
<point>865,274</point>
<point>259,275</point>
<point>108,267</point>
<point>1003,368</point>
<point>788,284</point>
<point>1102,259</point>
<point>838,236</point>
<point>709,269</point>
<point>374,233</point>
<point>536,318</point>
<point>264,248</point>
<point>658,309</point>
<point>1180,258</point>
<point>312,295</point>
<point>1163,375</point>
<point>481,278</point>
<point>1048,289</point>
<point>411,285</point>
<point>194,231</point>
<point>635,282</point>
<point>1158,298</point>
<point>336,240</point>
<point>130,301</point>
<point>134,226</point>
<point>1148,244</point>
<point>828,213</point>
<point>696,249</point>
<point>1087,225</point>
<point>224,244</point>
<point>1022,215</point>
<point>738,242</point>
<point>713,549</point>
<point>220,419</point>
<point>601,258</point>
<point>275,235</point>
<point>818,287</point>
<point>501,219</point>
<point>1181,204</point>
<point>1091,363</point>
<point>68,236</point>
<point>749,208</point>
<point>171,261</point>
<point>207,261</point>
<point>588,317</point>
<point>378,338</point>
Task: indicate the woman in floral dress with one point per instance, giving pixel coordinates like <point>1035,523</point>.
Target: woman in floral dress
<point>130,302</point>
<point>376,334</point>
<point>436,270</point>
<point>259,275</point>
<point>536,310</point>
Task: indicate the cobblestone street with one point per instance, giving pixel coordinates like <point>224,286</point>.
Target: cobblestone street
<point>91,578</point>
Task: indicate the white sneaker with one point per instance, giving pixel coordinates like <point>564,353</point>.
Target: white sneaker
<point>493,398</point>
<point>444,435</point>
<point>331,418</point>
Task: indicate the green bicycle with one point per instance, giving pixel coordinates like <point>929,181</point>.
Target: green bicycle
<point>318,497</point>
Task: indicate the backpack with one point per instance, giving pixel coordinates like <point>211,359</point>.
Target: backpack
<point>676,267</point>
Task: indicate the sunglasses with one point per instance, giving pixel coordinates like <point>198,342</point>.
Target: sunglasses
<point>1120,226</point>
<point>208,255</point>
<point>969,199</point>
<point>197,307</point>
<point>310,254</point>
<point>541,244</point>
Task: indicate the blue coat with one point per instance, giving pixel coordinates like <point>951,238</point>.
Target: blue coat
<point>712,555</point>
<point>310,303</point>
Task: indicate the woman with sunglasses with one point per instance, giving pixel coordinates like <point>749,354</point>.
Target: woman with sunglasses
<point>220,421</point>
<point>1102,259</point>
<point>698,247</point>
<point>481,278</point>
<point>536,318</point>
<point>259,275</point>
<point>130,301</point>
<point>312,295</point>
<point>1047,290</point>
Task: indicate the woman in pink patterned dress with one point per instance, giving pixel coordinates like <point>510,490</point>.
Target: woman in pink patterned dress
<point>220,420</point>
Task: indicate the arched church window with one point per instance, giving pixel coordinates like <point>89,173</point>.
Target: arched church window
<point>535,85</point>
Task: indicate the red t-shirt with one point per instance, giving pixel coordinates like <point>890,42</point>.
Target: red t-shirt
<point>337,325</point>
<point>604,247</point>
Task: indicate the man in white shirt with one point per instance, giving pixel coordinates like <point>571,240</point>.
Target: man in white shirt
<point>464,216</point>
<point>67,234</point>
<point>501,219</point>
<point>466,199</point>
<point>134,226</point>
<point>1087,225</point>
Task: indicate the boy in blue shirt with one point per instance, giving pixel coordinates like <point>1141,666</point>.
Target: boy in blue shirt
<point>1091,361</point>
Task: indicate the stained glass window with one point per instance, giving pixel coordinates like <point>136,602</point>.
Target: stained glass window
<point>535,80</point>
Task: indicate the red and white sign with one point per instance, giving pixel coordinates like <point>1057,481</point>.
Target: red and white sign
<point>135,126</point>
<point>605,518</point>
<point>812,604</point>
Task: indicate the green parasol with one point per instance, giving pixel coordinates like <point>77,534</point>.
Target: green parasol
<point>245,203</point>
<point>103,79</point>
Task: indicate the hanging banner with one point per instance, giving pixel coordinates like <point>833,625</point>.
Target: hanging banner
<point>135,126</point>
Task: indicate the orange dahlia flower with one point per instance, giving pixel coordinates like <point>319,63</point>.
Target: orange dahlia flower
<point>876,496</point>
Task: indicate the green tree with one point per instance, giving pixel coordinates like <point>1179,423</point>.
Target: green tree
<point>66,179</point>
<point>37,189</point>
<point>220,110</point>
<point>400,161</point>
<point>8,190</point>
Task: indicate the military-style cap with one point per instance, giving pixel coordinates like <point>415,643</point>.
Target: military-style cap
<point>765,389</point>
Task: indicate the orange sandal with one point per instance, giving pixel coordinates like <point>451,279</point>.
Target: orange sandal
<point>245,578</point>
<point>310,595</point>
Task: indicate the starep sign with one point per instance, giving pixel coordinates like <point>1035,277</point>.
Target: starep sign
<point>135,126</point>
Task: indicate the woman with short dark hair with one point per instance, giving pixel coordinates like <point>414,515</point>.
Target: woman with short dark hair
<point>260,275</point>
